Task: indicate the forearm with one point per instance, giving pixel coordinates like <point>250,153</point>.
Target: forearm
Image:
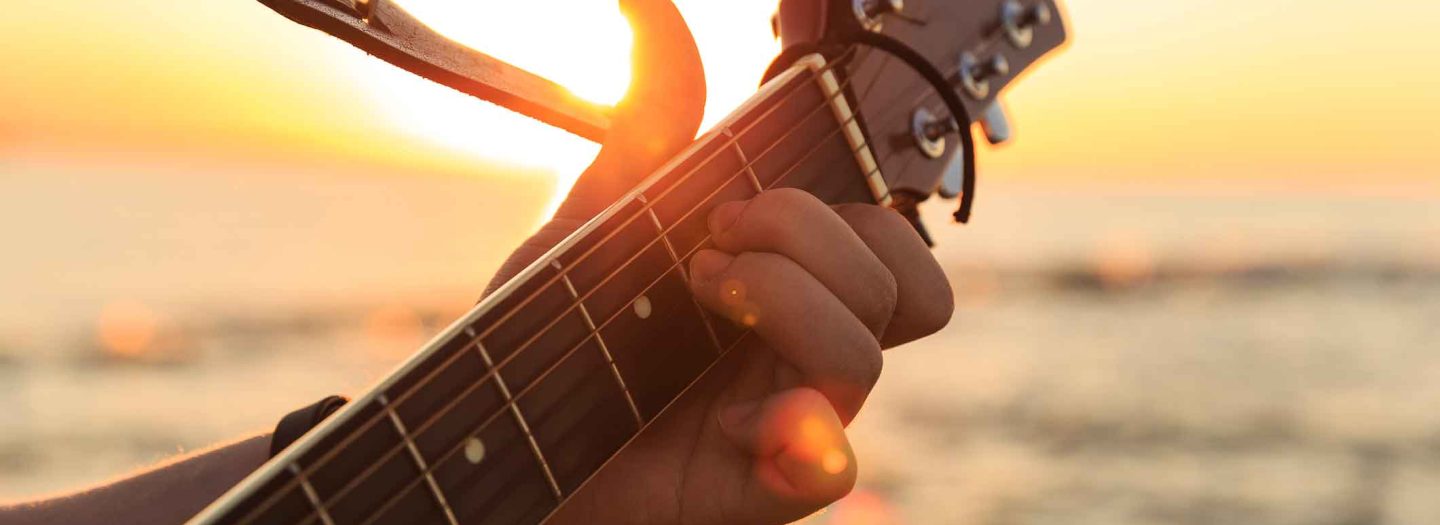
<point>168,493</point>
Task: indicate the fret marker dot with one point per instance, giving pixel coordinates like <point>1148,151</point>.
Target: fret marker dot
<point>642,307</point>
<point>474,450</point>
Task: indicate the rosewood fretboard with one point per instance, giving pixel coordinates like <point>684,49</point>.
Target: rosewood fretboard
<point>512,408</point>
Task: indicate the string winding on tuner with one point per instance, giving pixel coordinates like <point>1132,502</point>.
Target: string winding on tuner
<point>832,46</point>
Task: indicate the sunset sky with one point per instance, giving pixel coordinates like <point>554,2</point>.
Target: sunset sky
<point>211,149</point>
<point>1287,91</point>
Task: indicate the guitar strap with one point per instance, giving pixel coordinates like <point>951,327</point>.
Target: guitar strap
<point>297,423</point>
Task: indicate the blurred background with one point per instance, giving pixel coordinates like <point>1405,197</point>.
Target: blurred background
<point>1202,286</point>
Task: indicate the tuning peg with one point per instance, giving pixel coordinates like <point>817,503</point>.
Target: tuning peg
<point>929,131</point>
<point>1019,21</point>
<point>995,123</point>
<point>975,74</point>
<point>868,12</point>
<point>952,180</point>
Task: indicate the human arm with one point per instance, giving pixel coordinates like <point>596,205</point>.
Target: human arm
<point>170,492</point>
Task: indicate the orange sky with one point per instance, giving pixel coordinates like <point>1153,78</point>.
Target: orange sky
<point>1289,91</point>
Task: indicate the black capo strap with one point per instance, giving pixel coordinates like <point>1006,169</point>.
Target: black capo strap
<point>912,58</point>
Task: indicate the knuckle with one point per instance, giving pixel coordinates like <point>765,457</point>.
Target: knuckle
<point>858,373</point>
<point>935,310</point>
<point>874,218</point>
<point>787,198</point>
<point>880,304</point>
<point>764,265</point>
<point>871,364</point>
<point>772,217</point>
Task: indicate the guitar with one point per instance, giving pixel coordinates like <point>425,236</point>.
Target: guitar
<point>513,407</point>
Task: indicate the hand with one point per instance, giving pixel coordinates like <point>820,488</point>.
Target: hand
<point>760,438</point>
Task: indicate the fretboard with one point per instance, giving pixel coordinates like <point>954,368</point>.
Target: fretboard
<point>514,406</point>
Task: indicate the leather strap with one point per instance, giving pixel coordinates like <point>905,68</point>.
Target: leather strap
<point>297,423</point>
<point>388,32</point>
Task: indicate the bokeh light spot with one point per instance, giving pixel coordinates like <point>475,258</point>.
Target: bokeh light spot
<point>126,329</point>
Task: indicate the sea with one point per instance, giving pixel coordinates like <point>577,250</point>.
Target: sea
<point>1146,354</point>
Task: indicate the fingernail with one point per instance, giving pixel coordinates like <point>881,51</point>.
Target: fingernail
<point>725,215</point>
<point>708,264</point>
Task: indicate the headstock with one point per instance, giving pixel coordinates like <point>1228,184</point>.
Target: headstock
<point>979,46</point>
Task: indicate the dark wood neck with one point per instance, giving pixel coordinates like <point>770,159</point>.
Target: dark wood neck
<point>511,409</point>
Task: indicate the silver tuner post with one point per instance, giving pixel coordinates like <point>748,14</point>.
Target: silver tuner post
<point>1019,21</point>
<point>869,12</point>
<point>975,74</point>
<point>929,132</point>
<point>995,123</point>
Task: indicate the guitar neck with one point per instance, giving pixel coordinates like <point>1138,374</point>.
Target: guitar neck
<point>512,408</point>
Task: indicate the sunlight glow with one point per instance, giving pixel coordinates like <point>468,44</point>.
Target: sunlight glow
<point>587,51</point>
<point>583,45</point>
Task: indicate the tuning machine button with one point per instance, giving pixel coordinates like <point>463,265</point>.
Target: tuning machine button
<point>1019,21</point>
<point>997,129</point>
<point>869,12</point>
<point>995,123</point>
<point>929,132</point>
<point>975,74</point>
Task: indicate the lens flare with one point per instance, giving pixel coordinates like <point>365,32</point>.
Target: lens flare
<point>834,461</point>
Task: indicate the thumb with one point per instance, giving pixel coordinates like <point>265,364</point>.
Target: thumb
<point>658,116</point>
<point>802,460</point>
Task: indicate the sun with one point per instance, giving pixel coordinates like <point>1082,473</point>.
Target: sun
<point>587,50</point>
<point>583,45</point>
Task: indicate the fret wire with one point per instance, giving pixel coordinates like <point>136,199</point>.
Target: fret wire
<point>611,275</point>
<point>836,62</point>
<point>685,275</point>
<point>470,331</point>
<point>604,350</point>
<point>311,495</point>
<point>489,419</point>
<point>519,418</point>
<point>419,460</point>
<point>525,345</point>
<point>740,152</point>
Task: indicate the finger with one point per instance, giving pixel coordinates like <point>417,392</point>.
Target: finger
<point>538,244</point>
<point>658,116</point>
<point>795,224</point>
<point>924,302</point>
<point>802,321</point>
<point>802,459</point>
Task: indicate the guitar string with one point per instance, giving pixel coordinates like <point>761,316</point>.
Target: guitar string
<point>924,94</point>
<point>440,413</point>
<point>835,63</point>
<point>480,427</point>
<point>483,424</point>
<point>290,485</point>
<point>830,65</point>
<point>566,355</point>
